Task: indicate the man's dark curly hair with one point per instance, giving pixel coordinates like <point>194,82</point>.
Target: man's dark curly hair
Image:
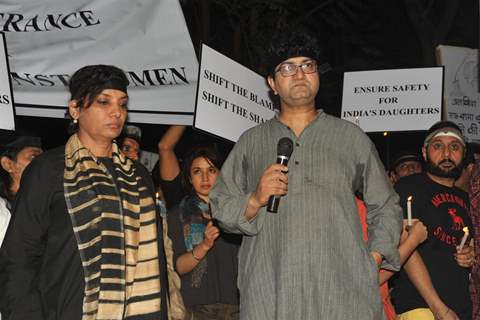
<point>293,43</point>
<point>88,82</point>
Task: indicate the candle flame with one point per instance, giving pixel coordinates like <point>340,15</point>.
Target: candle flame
<point>465,230</point>
<point>409,198</point>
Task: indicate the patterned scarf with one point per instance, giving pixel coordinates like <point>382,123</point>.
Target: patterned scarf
<point>114,222</point>
<point>192,211</point>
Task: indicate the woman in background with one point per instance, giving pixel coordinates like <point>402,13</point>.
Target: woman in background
<point>205,257</point>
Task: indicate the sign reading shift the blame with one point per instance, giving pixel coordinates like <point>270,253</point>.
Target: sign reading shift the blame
<point>6,101</point>
<point>230,97</point>
<point>393,100</point>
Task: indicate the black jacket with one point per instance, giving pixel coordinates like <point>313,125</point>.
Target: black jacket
<point>41,269</point>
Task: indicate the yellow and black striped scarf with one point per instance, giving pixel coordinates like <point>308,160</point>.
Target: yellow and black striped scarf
<point>114,222</point>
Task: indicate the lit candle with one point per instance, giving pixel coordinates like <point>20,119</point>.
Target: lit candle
<point>464,239</point>
<point>409,211</point>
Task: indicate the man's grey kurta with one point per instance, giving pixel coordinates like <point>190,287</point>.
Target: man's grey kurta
<point>309,261</point>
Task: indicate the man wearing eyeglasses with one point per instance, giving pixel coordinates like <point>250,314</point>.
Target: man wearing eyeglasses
<point>308,260</point>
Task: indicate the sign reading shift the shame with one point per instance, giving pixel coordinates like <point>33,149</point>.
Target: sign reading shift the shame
<point>230,97</point>
<point>393,100</point>
<point>7,121</point>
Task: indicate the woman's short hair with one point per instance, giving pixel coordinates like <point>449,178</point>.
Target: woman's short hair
<point>88,82</point>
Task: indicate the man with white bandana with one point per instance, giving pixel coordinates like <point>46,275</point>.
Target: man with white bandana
<point>434,281</point>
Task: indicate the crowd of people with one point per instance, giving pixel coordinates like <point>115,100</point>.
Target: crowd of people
<point>87,232</point>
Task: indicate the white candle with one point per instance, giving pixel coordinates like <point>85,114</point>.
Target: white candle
<point>464,239</point>
<point>409,211</point>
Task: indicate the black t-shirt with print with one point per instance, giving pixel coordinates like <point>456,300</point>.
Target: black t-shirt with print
<point>444,211</point>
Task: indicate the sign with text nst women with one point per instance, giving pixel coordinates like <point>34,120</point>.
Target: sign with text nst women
<point>7,117</point>
<point>48,40</point>
<point>393,100</point>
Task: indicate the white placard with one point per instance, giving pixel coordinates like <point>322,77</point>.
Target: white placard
<point>393,100</point>
<point>48,40</point>
<point>462,97</point>
<point>148,159</point>
<point>7,116</point>
<point>230,97</point>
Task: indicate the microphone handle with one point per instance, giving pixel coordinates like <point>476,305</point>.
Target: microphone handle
<point>274,201</point>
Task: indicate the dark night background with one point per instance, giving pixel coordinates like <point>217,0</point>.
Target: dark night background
<point>355,35</point>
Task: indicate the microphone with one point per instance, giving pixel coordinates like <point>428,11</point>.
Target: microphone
<point>284,151</point>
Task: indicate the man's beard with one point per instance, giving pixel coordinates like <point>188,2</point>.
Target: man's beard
<point>437,171</point>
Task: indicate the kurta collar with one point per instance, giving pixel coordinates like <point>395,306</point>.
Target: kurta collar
<point>275,121</point>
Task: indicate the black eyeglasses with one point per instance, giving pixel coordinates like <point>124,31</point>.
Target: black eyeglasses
<point>289,69</point>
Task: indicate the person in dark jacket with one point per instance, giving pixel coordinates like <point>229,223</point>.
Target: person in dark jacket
<point>16,153</point>
<point>84,241</point>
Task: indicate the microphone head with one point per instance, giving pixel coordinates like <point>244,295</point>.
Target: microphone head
<point>285,147</point>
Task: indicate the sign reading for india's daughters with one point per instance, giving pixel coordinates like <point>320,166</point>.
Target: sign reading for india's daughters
<point>230,97</point>
<point>393,100</point>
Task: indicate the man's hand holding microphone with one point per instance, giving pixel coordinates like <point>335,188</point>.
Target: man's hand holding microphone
<point>273,183</point>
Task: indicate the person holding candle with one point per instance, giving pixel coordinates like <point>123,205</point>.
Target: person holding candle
<point>421,290</point>
<point>416,234</point>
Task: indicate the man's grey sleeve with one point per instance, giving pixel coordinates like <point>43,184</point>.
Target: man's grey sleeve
<point>384,215</point>
<point>229,197</point>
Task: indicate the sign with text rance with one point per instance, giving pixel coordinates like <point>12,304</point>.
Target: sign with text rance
<point>6,104</point>
<point>48,40</point>
<point>230,97</point>
<point>393,100</point>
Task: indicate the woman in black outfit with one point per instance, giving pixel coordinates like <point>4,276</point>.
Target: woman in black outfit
<point>84,240</point>
<point>205,257</point>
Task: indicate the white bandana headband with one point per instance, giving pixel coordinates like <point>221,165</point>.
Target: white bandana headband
<point>444,132</point>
